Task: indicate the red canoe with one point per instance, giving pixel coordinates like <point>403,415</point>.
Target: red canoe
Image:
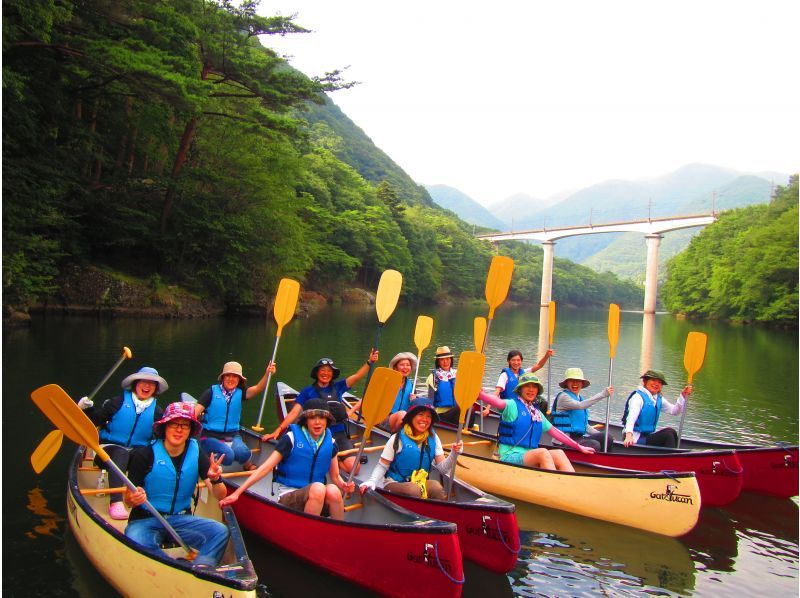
<point>767,469</point>
<point>488,532</point>
<point>379,545</point>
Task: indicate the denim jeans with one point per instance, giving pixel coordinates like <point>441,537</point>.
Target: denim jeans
<point>207,536</point>
<point>238,450</point>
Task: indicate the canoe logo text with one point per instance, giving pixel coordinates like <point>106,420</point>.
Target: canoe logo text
<point>671,496</point>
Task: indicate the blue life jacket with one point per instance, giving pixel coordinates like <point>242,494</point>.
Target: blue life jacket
<point>511,383</point>
<point>171,491</point>
<point>411,458</point>
<point>444,396</point>
<point>127,428</point>
<point>335,405</point>
<point>573,421</point>
<point>523,431</point>
<point>403,399</point>
<point>306,463</point>
<point>648,416</point>
<point>223,416</point>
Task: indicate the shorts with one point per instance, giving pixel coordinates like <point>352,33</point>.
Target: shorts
<point>343,443</point>
<point>296,500</point>
<point>512,454</point>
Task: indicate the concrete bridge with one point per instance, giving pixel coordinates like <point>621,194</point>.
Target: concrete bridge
<point>652,228</point>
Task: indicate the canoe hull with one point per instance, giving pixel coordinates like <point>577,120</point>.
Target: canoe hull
<point>663,504</point>
<point>134,571</point>
<point>422,558</point>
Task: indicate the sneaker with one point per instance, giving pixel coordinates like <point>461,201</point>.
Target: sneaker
<point>116,510</point>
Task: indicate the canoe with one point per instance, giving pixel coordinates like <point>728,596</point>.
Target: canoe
<point>719,473</point>
<point>487,526</point>
<point>767,469</point>
<point>379,545</point>
<point>666,503</point>
<point>137,571</point>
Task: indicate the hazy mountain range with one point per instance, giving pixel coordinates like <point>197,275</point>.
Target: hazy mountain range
<point>691,189</point>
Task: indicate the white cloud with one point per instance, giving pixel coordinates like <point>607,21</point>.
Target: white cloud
<point>536,97</point>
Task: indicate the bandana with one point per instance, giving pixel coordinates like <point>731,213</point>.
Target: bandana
<point>141,405</point>
<point>420,439</point>
<point>444,375</point>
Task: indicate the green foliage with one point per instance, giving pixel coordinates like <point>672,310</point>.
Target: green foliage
<point>744,267</point>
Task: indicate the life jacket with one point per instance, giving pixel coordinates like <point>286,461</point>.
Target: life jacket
<point>648,416</point>
<point>401,403</point>
<point>523,431</point>
<point>411,458</point>
<point>128,428</point>
<point>307,462</point>
<point>511,382</point>
<point>337,408</point>
<point>444,395</point>
<point>171,491</point>
<point>223,416</point>
<point>573,421</point>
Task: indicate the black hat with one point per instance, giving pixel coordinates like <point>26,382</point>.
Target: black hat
<point>325,361</point>
<point>315,407</point>
<point>417,405</point>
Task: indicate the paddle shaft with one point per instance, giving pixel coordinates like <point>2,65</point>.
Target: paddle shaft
<point>608,403</point>
<point>125,355</point>
<point>258,427</point>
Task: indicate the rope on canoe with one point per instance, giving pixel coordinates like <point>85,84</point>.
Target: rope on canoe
<point>503,540</point>
<point>733,471</point>
<point>442,569</point>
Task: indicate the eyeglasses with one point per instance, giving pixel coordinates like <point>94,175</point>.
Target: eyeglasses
<point>179,426</point>
<point>326,362</point>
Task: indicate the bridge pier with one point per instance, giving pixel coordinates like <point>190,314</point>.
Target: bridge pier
<point>653,242</point>
<point>546,297</point>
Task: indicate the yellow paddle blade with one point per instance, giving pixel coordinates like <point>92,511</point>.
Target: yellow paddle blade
<point>469,380</point>
<point>498,281</point>
<point>388,294</point>
<point>479,332</point>
<point>423,333</point>
<point>379,396</point>
<point>551,315</point>
<point>695,353</point>
<point>65,414</point>
<point>46,450</point>
<point>613,328</point>
<point>285,302</point>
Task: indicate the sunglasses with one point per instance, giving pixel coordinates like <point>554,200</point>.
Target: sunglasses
<point>326,362</point>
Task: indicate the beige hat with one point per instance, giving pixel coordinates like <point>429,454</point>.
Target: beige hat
<point>400,357</point>
<point>232,367</point>
<point>573,374</point>
<point>442,352</point>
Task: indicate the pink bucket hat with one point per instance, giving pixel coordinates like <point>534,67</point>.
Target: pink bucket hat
<point>177,411</point>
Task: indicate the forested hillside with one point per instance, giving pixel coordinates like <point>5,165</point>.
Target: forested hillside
<point>163,140</point>
<point>744,267</point>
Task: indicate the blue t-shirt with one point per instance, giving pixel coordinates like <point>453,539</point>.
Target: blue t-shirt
<point>309,392</point>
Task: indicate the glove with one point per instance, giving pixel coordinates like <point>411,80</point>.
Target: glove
<point>368,485</point>
<point>85,403</point>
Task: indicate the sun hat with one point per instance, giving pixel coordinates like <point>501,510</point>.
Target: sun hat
<point>177,411</point>
<point>232,367</point>
<point>400,357</point>
<point>146,373</point>
<point>442,352</point>
<point>417,405</point>
<point>318,407</point>
<point>574,374</point>
<point>526,379</point>
<point>655,375</point>
<point>325,361</point>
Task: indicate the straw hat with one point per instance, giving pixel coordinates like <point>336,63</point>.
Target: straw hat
<point>400,357</point>
<point>442,352</point>
<point>573,374</point>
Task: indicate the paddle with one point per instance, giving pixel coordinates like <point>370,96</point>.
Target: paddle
<point>48,447</point>
<point>283,310</point>
<point>498,282</point>
<point>479,333</point>
<point>422,338</point>
<point>376,404</point>
<point>469,379</point>
<point>60,409</point>
<point>385,301</point>
<point>613,337</point>
<point>551,327</point>
<point>693,356</point>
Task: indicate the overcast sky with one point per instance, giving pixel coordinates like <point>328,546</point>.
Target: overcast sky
<point>542,96</point>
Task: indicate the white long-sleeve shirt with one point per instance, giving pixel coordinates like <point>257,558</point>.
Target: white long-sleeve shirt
<point>635,408</point>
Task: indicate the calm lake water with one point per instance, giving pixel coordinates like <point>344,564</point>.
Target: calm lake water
<point>747,391</point>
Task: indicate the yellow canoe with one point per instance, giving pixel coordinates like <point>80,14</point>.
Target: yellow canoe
<point>663,503</point>
<point>135,571</point>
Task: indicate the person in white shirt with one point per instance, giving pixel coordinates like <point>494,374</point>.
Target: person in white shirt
<point>643,408</point>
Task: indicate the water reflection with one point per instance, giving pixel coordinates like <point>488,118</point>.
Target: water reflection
<point>648,339</point>
<point>588,556</point>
